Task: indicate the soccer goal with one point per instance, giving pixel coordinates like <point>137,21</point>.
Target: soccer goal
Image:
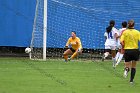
<point>55,19</point>
<point>38,42</point>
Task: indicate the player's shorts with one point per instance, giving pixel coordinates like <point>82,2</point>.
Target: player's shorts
<point>110,47</point>
<point>131,55</point>
<point>72,50</point>
<point>119,46</point>
<point>108,50</point>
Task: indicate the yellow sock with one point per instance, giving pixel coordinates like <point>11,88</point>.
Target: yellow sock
<point>74,55</point>
<point>65,57</point>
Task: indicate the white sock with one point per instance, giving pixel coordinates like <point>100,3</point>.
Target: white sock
<point>117,56</point>
<point>120,58</point>
<point>106,54</point>
<point>114,61</point>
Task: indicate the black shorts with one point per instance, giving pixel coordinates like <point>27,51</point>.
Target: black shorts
<point>131,55</point>
<point>72,50</point>
<point>108,50</point>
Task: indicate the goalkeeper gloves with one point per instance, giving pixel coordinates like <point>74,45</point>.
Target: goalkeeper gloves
<point>66,46</point>
<point>79,49</point>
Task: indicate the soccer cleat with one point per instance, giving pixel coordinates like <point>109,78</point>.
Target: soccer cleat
<point>103,58</point>
<point>69,59</point>
<point>131,82</point>
<point>116,64</point>
<point>116,60</point>
<point>125,74</point>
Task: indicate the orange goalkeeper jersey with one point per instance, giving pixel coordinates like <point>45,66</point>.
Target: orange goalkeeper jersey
<point>75,43</point>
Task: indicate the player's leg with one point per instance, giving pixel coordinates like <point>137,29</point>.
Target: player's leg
<point>133,66</point>
<point>117,55</point>
<point>127,68</point>
<point>105,55</point>
<point>120,56</point>
<point>133,71</point>
<point>107,52</point>
<point>113,53</point>
<point>76,53</point>
<point>127,62</point>
<point>66,53</point>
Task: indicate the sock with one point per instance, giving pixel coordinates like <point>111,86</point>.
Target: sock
<point>133,72</point>
<point>74,55</point>
<point>120,58</point>
<point>117,56</point>
<point>127,69</point>
<point>65,57</point>
<point>106,54</point>
<point>114,61</point>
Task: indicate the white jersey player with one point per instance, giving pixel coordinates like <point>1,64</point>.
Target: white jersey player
<point>111,36</point>
<point>111,39</point>
<point>120,52</point>
<point>118,40</point>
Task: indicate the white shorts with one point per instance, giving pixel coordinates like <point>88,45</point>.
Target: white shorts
<point>110,47</point>
<point>119,46</point>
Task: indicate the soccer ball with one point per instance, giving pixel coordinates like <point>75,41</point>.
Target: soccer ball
<point>27,50</point>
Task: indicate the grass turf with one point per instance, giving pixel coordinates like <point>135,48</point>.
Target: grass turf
<point>21,75</point>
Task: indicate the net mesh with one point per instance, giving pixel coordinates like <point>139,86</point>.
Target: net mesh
<point>37,35</point>
<point>88,18</point>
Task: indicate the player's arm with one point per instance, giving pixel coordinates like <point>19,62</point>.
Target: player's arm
<point>122,38</point>
<point>67,44</point>
<point>105,35</point>
<point>139,36</point>
<point>117,34</point>
<point>79,44</point>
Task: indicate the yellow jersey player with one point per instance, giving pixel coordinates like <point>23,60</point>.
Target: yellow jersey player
<point>75,47</point>
<point>129,40</point>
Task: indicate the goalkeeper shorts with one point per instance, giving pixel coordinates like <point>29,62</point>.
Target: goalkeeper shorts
<point>73,50</point>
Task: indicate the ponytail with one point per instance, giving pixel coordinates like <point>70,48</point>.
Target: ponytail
<point>108,29</point>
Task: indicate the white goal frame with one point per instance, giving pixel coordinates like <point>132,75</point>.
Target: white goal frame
<point>44,28</point>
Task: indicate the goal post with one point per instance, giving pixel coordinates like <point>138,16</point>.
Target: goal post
<point>45,30</point>
<point>39,34</point>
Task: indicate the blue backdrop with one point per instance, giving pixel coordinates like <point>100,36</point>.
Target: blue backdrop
<point>16,22</point>
<point>88,18</point>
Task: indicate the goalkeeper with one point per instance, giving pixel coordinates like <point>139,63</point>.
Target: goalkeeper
<point>73,46</point>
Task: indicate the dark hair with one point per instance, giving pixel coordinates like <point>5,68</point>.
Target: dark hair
<point>131,24</point>
<point>108,29</point>
<point>124,24</point>
<point>74,32</point>
<point>112,23</point>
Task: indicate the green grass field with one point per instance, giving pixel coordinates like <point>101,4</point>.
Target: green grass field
<point>21,75</point>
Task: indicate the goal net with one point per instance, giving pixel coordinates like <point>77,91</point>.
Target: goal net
<point>88,18</point>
